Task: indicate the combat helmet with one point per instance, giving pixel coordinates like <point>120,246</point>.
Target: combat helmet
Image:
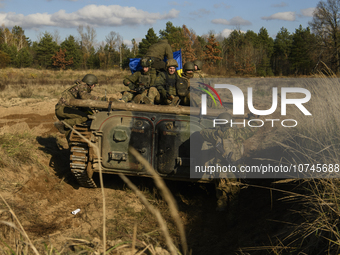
<point>199,64</point>
<point>225,116</point>
<point>146,62</point>
<point>90,79</point>
<point>188,66</point>
<point>171,62</point>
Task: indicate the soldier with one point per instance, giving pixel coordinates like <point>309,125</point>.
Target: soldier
<point>228,143</point>
<point>166,83</point>
<point>72,115</point>
<point>157,52</point>
<point>141,85</point>
<point>198,69</point>
<point>183,84</point>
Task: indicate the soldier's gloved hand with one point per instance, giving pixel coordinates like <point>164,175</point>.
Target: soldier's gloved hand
<point>163,93</point>
<point>111,99</point>
<point>170,97</point>
<point>131,86</point>
<point>140,89</point>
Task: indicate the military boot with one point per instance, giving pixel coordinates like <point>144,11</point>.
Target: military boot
<point>60,126</point>
<point>147,100</point>
<point>124,99</point>
<point>137,99</point>
<point>175,101</point>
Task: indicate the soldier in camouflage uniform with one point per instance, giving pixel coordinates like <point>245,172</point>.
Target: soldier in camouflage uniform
<point>166,84</point>
<point>141,85</point>
<point>198,69</point>
<point>183,84</point>
<point>157,52</point>
<point>228,142</point>
<point>72,115</point>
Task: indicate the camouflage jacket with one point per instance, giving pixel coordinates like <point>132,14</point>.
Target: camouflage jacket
<point>78,91</point>
<point>139,79</point>
<point>160,50</point>
<point>232,139</point>
<point>166,83</point>
<point>198,74</point>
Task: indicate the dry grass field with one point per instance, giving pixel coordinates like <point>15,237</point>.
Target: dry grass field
<point>275,216</point>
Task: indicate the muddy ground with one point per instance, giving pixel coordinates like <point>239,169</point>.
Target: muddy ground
<point>44,195</point>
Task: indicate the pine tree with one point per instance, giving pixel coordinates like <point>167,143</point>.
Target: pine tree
<point>171,33</point>
<point>282,45</point>
<point>24,58</point>
<point>73,51</point>
<point>265,45</point>
<point>45,49</point>
<point>11,51</point>
<point>301,51</point>
<point>150,38</point>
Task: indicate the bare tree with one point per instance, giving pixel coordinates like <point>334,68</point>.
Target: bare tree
<point>325,24</point>
<point>88,38</point>
<point>113,41</point>
<point>7,35</point>
<point>88,41</point>
<point>56,36</point>
<point>134,47</point>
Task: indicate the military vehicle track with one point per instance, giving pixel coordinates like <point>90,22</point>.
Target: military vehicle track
<point>79,156</point>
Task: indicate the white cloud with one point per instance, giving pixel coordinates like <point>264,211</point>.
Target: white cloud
<point>236,21</point>
<point>93,15</point>
<point>289,16</point>
<point>226,32</point>
<point>308,12</point>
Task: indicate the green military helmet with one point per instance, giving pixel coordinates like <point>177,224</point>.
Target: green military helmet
<point>171,62</point>
<point>199,64</point>
<point>225,116</point>
<point>146,62</point>
<point>188,66</point>
<point>90,79</point>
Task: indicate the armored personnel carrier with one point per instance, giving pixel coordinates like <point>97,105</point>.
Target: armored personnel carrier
<point>160,133</point>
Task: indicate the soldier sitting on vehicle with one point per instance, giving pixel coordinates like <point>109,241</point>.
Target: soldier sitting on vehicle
<point>198,69</point>
<point>70,114</point>
<point>183,84</point>
<point>166,84</point>
<point>141,85</point>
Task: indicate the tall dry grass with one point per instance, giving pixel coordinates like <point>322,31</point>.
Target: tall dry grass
<point>317,141</point>
<point>19,242</point>
<point>48,84</point>
<point>164,190</point>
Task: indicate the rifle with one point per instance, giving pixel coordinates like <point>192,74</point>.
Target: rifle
<point>140,88</point>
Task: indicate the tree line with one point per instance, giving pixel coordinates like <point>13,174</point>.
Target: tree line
<point>241,53</point>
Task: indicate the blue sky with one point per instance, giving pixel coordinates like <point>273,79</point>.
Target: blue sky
<point>132,19</point>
